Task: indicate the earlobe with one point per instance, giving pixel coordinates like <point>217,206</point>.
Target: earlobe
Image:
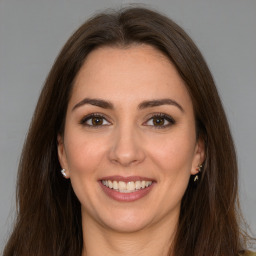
<point>199,157</point>
<point>62,155</point>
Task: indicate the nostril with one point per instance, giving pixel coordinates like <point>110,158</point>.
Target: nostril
<point>126,158</point>
<point>126,147</point>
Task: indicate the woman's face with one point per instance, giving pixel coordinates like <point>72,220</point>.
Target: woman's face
<point>129,145</point>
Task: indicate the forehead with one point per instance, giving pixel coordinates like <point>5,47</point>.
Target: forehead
<point>126,75</point>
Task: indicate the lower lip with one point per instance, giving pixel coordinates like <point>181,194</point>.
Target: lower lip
<point>126,197</point>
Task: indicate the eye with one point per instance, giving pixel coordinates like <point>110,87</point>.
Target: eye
<point>160,121</point>
<point>94,120</point>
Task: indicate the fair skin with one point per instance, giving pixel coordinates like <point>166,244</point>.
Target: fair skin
<point>141,127</point>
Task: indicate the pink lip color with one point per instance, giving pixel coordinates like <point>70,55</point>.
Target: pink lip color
<point>126,197</point>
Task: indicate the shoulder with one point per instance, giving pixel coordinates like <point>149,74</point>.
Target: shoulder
<point>248,253</point>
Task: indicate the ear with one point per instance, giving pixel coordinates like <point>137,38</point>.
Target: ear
<point>199,156</point>
<point>62,155</point>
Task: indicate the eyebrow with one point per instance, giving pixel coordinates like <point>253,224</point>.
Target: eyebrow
<point>160,102</point>
<point>145,104</point>
<point>95,102</point>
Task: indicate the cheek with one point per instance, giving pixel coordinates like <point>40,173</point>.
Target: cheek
<point>173,155</point>
<point>84,154</point>
<point>84,157</point>
<point>172,160</point>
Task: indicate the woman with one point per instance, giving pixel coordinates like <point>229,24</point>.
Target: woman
<point>129,151</point>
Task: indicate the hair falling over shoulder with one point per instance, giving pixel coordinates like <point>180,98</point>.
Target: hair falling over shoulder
<point>48,212</point>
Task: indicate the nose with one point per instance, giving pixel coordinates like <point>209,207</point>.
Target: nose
<point>126,147</point>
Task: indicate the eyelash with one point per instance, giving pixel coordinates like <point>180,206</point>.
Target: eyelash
<point>90,116</point>
<point>162,116</point>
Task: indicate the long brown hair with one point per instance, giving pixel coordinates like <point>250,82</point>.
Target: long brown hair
<point>48,212</point>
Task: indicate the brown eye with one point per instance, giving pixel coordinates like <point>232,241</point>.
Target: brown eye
<point>158,121</point>
<point>94,120</point>
<point>97,120</point>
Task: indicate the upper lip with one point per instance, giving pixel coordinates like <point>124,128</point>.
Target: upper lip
<point>126,179</point>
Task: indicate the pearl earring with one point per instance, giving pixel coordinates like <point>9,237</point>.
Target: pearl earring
<point>63,171</point>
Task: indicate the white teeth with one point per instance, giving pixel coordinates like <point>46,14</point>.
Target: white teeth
<point>130,186</point>
<point>115,184</point>
<point>121,185</point>
<point>137,184</point>
<point>126,187</point>
<point>110,184</point>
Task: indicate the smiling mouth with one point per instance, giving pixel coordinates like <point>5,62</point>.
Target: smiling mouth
<point>127,187</point>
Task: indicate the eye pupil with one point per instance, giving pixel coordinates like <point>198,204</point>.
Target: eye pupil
<point>158,121</point>
<point>97,121</point>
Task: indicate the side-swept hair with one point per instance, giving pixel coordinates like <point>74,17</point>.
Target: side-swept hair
<point>49,213</point>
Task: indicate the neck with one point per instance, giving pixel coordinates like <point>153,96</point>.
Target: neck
<point>155,240</point>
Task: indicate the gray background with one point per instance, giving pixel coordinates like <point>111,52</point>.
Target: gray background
<point>32,33</point>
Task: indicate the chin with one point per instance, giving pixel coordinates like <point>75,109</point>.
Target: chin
<point>122,220</point>
<point>127,225</point>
